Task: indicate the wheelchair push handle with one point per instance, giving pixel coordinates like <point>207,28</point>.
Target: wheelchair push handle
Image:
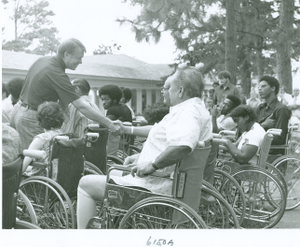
<point>59,138</point>
<point>227,132</point>
<point>220,141</point>
<point>90,134</point>
<point>93,126</point>
<point>38,154</point>
<point>274,131</point>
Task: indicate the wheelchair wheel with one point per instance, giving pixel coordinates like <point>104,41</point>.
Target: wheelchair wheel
<point>294,148</point>
<point>51,203</point>
<point>233,193</point>
<point>91,169</point>
<point>216,211</point>
<point>25,210</point>
<point>277,173</point>
<point>265,197</point>
<point>25,225</point>
<point>161,213</point>
<point>134,150</point>
<point>289,165</point>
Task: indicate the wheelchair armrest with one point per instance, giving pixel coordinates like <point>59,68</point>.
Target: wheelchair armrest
<point>39,154</point>
<point>38,164</point>
<point>128,169</point>
<point>274,131</point>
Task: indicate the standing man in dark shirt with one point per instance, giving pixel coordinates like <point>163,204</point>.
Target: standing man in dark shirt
<point>47,81</point>
<point>271,113</point>
<point>225,88</point>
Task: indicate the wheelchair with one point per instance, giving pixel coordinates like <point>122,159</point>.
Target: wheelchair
<point>11,215</point>
<point>122,207</point>
<point>53,194</point>
<point>264,192</point>
<point>289,166</point>
<point>132,207</point>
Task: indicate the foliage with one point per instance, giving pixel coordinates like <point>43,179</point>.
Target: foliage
<point>34,31</point>
<point>194,23</point>
<point>103,49</point>
<point>155,113</point>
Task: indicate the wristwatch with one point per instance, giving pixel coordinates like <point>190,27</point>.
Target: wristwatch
<point>154,165</point>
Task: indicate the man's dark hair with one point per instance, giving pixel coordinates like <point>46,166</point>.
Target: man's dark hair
<point>234,99</point>
<point>127,94</point>
<point>83,85</point>
<point>14,86</point>
<point>272,81</point>
<point>4,89</point>
<point>70,46</point>
<point>224,74</point>
<point>113,91</point>
<point>243,111</point>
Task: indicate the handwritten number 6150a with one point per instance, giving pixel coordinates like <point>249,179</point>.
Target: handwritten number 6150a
<point>159,242</point>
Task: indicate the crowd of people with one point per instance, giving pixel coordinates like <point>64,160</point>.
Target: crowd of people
<point>47,103</point>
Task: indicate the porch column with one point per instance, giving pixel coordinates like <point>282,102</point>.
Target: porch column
<point>139,100</point>
<point>148,97</point>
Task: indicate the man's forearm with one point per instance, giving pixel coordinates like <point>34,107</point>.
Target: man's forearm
<point>137,131</point>
<point>172,155</point>
<point>91,113</point>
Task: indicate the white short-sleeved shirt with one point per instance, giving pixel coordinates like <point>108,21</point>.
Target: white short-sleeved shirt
<point>295,101</point>
<point>224,122</point>
<point>185,125</point>
<point>254,137</point>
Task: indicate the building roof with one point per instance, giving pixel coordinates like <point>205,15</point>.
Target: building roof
<point>110,65</point>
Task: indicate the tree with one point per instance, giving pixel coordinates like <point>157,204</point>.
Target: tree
<point>104,49</point>
<point>250,27</point>
<point>283,45</point>
<point>33,32</point>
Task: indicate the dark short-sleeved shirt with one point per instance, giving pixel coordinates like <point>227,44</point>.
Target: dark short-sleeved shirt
<point>121,112</point>
<point>281,115</point>
<point>47,81</point>
<point>221,92</point>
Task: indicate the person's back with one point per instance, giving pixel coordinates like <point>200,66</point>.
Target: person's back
<point>11,144</point>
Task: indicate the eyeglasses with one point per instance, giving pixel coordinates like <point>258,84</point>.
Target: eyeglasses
<point>164,88</point>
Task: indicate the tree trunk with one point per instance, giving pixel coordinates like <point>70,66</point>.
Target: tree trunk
<point>283,55</point>
<point>259,40</point>
<point>230,39</point>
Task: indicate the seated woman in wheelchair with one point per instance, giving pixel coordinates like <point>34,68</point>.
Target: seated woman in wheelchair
<point>168,142</point>
<point>245,149</point>
<point>51,118</point>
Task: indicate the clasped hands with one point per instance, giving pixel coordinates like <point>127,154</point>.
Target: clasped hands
<point>141,169</point>
<point>117,128</point>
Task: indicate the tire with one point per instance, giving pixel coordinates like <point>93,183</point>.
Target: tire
<point>91,169</point>
<point>216,211</point>
<point>289,165</point>
<point>161,213</point>
<point>134,150</point>
<point>25,210</point>
<point>293,148</point>
<point>25,225</point>
<point>51,203</point>
<point>265,197</point>
<point>233,193</point>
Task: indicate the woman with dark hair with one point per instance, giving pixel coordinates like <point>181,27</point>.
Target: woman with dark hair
<point>50,118</point>
<point>245,149</point>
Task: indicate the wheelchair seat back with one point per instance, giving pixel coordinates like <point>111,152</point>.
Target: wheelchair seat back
<point>264,149</point>
<point>188,177</point>
<point>11,174</point>
<point>67,163</point>
<point>95,150</point>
